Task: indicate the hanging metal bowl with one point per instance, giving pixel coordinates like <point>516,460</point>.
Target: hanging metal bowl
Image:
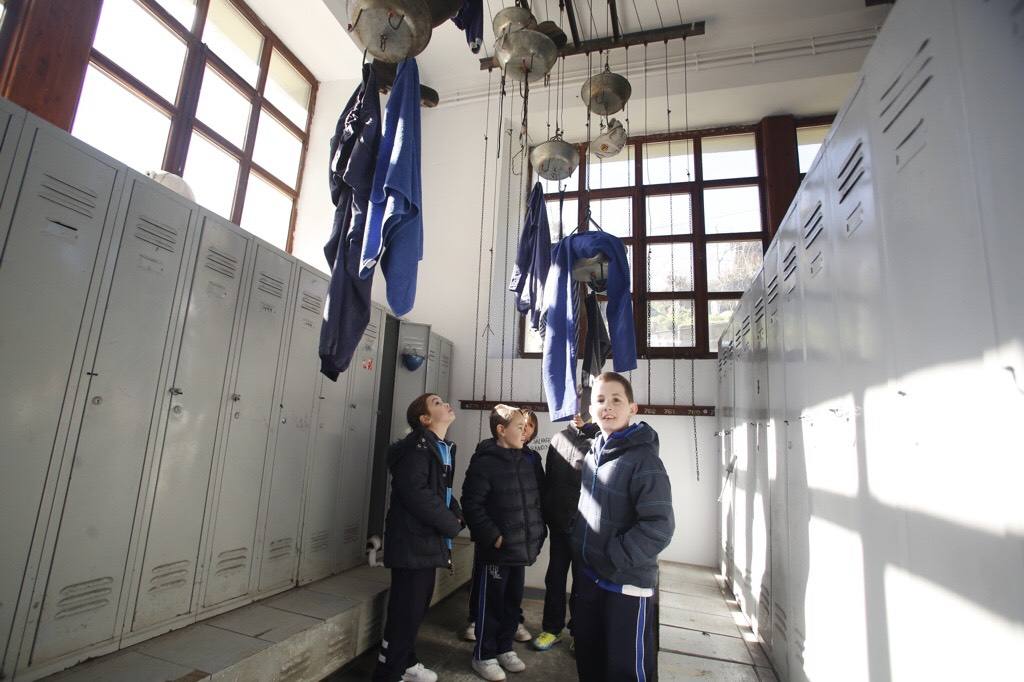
<point>390,30</point>
<point>525,55</point>
<point>606,93</point>
<point>611,141</point>
<point>555,159</point>
<point>512,19</point>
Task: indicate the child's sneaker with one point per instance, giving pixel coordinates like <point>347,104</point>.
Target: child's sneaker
<point>522,634</point>
<point>511,662</point>
<point>418,673</point>
<point>489,670</point>
<point>546,640</point>
<point>470,633</point>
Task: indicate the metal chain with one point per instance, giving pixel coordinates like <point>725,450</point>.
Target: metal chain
<point>647,169</point>
<point>693,317</point>
<point>671,227</point>
<point>480,246</point>
<point>508,216</point>
<point>523,143</point>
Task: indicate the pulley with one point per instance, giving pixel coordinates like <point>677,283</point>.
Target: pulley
<point>611,141</point>
<point>555,159</point>
<point>390,30</point>
<point>606,93</point>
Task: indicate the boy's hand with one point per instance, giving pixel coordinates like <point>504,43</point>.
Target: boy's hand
<point>497,543</point>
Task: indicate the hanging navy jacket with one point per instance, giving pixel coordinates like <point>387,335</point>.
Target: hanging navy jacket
<point>471,20</point>
<point>352,160</point>
<point>533,259</point>
<point>563,325</point>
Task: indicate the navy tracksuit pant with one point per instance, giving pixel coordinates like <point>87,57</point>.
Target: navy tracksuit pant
<point>614,634</point>
<point>408,601</point>
<point>559,562</point>
<point>498,608</point>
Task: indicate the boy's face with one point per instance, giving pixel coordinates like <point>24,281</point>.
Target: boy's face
<point>528,431</point>
<point>512,436</point>
<point>610,407</point>
<point>439,413</point>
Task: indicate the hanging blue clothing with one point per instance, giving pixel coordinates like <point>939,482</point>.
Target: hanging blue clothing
<point>470,19</point>
<point>533,259</point>
<point>352,160</point>
<point>394,223</point>
<point>560,342</point>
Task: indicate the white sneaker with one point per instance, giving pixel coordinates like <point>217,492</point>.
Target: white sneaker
<point>418,673</point>
<point>489,670</point>
<point>511,662</point>
<point>522,634</point>
<point>470,633</point>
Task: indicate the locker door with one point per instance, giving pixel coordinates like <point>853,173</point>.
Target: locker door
<point>12,120</point>
<point>115,440</point>
<point>413,341</point>
<point>360,425</point>
<point>444,374</point>
<point>742,445</point>
<point>46,285</point>
<point>726,423</point>
<point>290,455</point>
<point>171,554</point>
<point>759,505</point>
<point>433,363</point>
<point>252,407</point>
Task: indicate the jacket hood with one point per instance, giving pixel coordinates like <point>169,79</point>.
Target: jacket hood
<point>635,435</point>
<point>418,439</point>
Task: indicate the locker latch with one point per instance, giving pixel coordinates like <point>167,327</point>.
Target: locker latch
<point>235,397</point>
<point>176,391</point>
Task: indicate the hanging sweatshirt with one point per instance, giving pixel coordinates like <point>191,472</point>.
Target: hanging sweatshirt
<point>559,364</point>
<point>470,19</point>
<point>533,260</point>
<point>394,223</point>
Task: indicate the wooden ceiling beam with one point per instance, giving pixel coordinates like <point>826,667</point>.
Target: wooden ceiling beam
<point>573,26</point>
<point>613,12</point>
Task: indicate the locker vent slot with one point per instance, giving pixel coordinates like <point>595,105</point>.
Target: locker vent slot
<point>813,226</point>
<point>295,668</point>
<point>170,576</point>
<point>759,309</point>
<point>320,541</point>
<point>281,549</point>
<point>232,560</point>
<point>313,304</point>
<point>789,264</point>
<point>798,643</point>
<point>350,534</point>
<point>910,82</point>
<point>780,617</point>
<point>161,236</point>
<point>852,172</point>
<point>270,285</point>
<point>221,263</point>
<point>72,197</point>
<point>773,288</point>
<point>85,597</point>
<point>371,331</point>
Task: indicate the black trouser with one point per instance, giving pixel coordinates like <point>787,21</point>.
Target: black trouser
<point>497,617</point>
<point>474,594</point>
<point>614,634</point>
<point>559,562</point>
<point>408,601</point>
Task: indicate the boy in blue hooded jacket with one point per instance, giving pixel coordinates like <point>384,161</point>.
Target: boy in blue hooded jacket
<point>625,520</point>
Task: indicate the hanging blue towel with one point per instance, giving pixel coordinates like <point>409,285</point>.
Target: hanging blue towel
<point>560,341</point>
<point>394,224</point>
<point>470,19</point>
<point>533,259</point>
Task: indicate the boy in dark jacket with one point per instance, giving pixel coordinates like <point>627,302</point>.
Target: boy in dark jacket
<point>625,520</point>
<point>501,499</point>
<point>422,520</point>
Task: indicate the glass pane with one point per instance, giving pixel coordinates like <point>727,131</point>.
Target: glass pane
<point>617,171</point>
<point>732,265</point>
<point>670,267</point>
<point>233,39</point>
<point>134,39</point>
<point>533,343</point>
<point>570,184</point>
<point>267,212</point>
<point>808,142</point>
<point>288,90</point>
<point>223,108</point>
<point>212,173</point>
<point>615,216</point>
<point>116,121</point>
<point>570,216</point>
<point>732,209</point>
<point>277,150</point>
<point>182,10</point>
<point>729,156</point>
<point>719,314</point>
<point>669,214</point>
<point>670,323</point>
<point>668,162</point>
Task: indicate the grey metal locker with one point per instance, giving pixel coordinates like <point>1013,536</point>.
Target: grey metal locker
<point>291,451</point>
<point>230,556</point>
<point>742,476</point>
<point>115,442</point>
<point>759,510</point>
<point>433,363</point>
<point>353,492</point>
<point>410,372</point>
<point>194,417</point>
<point>444,372</point>
<point>47,286</point>
<point>726,422</point>
<point>12,120</point>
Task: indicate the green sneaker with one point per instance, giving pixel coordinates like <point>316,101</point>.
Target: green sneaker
<point>545,641</point>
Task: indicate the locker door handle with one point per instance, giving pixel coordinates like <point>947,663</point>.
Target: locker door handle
<point>176,391</point>
<point>235,397</point>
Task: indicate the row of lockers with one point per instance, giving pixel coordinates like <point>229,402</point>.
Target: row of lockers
<point>871,379</point>
<point>169,448</point>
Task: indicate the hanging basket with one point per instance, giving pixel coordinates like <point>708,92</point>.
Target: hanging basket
<point>606,93</point>
<point>525,55</point>
<point>390,30</point>
<point>611,141</point>
<point>555,159</point>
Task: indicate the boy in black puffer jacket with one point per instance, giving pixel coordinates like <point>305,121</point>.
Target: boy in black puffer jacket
<point>501,500</point>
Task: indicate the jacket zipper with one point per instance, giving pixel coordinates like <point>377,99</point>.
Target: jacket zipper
<point>593,483</point>
<point>522,497</point>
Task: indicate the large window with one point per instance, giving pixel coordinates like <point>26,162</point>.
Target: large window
<point>203,89</point>
<point>689,210</point>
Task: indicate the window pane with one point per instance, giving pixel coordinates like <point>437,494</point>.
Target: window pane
<point>182,10</point>
<point>570,216</point>
<point>732,209</point>
<point>808,142</point>
<point>288,90</point>
<point>670,323</point>
<point>137,41</point>
<point>729,156</point>
<point>277,150</point>
<point>668,162</point>
<point>732,265</point>
<point>670,267</point>
<point>267,212</point>
<point>223,108</point>
<point>719,314</point>
<point>570,184</point>
<point>533,343</point>
<point>212,173</point>
<point>669,214</point>
<point>116,121</point>
<point>617,171</point>
<point>233,39</point>
<point>615,216</point>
